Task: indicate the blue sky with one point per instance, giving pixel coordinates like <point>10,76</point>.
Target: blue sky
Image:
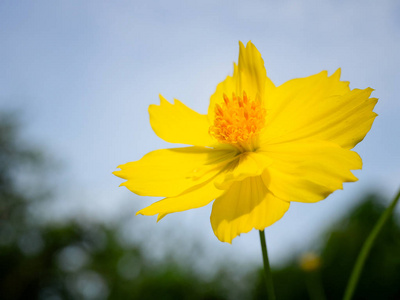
<point>82,74</point>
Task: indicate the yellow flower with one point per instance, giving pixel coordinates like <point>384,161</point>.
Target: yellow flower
<point>258,148</point>
<point>310,262</point>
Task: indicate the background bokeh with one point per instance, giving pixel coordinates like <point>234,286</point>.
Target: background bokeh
<point>80,75</point>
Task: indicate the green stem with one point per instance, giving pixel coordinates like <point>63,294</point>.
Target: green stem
<point>367,247</point>
<point>267,269</point>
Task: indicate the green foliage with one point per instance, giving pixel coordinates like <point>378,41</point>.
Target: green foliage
<point>73,260</point>
<point>381,275</point>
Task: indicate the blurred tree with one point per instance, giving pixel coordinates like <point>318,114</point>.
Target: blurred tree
<point>381,275</point>
<point>73,260</point>
<point>76,260</point>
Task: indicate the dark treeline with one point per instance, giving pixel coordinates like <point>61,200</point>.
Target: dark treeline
<point>76,260</point>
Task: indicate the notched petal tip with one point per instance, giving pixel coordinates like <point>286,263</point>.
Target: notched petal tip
<point>162,99</point>
<point>160,217</point>
<point>154,107</point>
<point>178,102</point>
<point>120,174</point>
<point>337,74</point>
<point>145,212</point>
<point>225,239</point>
<point>368,90</point>
<point>249,45</point>
<point>336,77</point>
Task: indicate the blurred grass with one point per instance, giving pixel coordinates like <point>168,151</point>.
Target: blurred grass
<point>78,260</point>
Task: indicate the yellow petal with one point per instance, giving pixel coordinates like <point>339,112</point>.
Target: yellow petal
<point>177,123</point>
<point>308,171</point>
<point>169,172</point>
<point>248,76</point>
<point>227,87</point>
<point>248,164</point>
<point>246,205</point>
<point>252,74</point>
<point>196,197</point>
<point>319,107</point>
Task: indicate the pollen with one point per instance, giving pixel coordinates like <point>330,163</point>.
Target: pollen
<point>238,121</point>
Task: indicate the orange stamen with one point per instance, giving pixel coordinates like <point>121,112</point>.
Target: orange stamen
<point>238,120</point>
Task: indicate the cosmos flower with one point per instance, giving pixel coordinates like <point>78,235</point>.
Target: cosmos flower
<point>258,148</point>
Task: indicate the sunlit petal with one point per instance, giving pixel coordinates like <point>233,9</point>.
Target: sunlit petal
<point>169,172</point>
<point>249,76</point>
<point>246,205</point>
<point>196,197</point>
<point>177,123</point>
<point>308,171</point>
<point>248,164</point>
<point>320,107</point>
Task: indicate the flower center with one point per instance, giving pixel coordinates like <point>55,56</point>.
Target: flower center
<point>237,121</point>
